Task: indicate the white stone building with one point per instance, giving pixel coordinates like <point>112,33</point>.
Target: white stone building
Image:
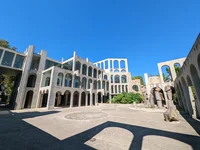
<point>44,82</point>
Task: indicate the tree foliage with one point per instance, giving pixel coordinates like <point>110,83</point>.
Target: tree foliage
<point>6,44</point>
<point>139,77</point>
<point>127,98</point>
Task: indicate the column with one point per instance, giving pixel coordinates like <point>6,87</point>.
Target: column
<point>173,72</point>
<point>71,100</point>
<point>79,101</point>
<point>161,74</point>
<point>119,64</point>
<point>104,65</point>
<point>108,63</point>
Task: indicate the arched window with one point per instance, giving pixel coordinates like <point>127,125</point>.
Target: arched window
<point>83,85</point>
<point>117,80</point>
<point>107,86</point>
<point>68,80</point>
<point>177,68</point>
<point>89,82</point>
<point>84,69</point>
<point>95,85</point>
<point>105,77</point>
<point>78,66</point>
<point>90,71</point>
<point>60,79</point>
<point>167,77</point>
<point>47,81</point>
<point>122,64</point>
<point>31,81</point>
<point>116,64</point>
<point>76,82</point>
<point>111,78</point>
<point>135,88</point>
<point>123,79</point>
<point>99,84</point>
<point>103,85</point>
<point>95,73</point>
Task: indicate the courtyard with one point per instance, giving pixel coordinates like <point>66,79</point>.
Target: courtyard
<point>107,126</point>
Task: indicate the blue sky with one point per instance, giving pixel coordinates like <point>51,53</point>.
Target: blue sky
<point>143,31</point>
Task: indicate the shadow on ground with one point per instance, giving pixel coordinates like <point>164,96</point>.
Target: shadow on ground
<point>17,134</point>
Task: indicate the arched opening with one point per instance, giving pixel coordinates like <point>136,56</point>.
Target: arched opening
<point>99,97</point>
<point>117,79</point>
<point>116,70</point>
<point>47,81</point>
<point>102,65</point>
<point>123,79</point>
<point>99,65</point>
<point>183,97</point>
<point>157,97</point>
<point>123,89</point>
<point>107,98</point>
<point>107,86</point>
<point>112,89</point>
<point>111,64</point>
<point>115,88</point>
<point>60,79</point>
<point>89,83</point>
<point>67,96</point>
<point>126,88</point>
<point>99,74</point>
<point>84,69</point>
<point>177,68</point>
<point>44,100</point>
<point>95,85</point>
<point>119,87</point>
<point>88,99</point>
<point>78,66</point>
<point>68,80</point>
<point>93,99</point>
<point>60,99</point>
<point>76,82</point>
<point>32,80</point>
<point>103,85</point>
<point>116,64</point>
<point>135,88</point>
<point>95,73</point>
<point>90,71</point>
<point>195,79</point>
<point>83,84</point>
<point>111,78</point>
<point>106,64</point>
<point>122,64</point>
<point>167,76</point>
<point>105,77</point>
<point>123,70</point>
<point>75,99</point>
<point>28,101</point>
<point>83,99</point>
<point>99,84</point>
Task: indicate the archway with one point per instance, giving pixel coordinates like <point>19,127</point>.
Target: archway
<point>75,99</point>
<point>99,97</point>
<point>166,73</point>
<point>28,101</point>
<point>116,64</point>
<point>67,96</point>
<point>31,81</point>
<point>195,79</point>
<point>44,99</point>
<point>83,99</point>
<point>59,100</point>
<point>177,68</point>
<point>93,99</point>
<point>88,99</point>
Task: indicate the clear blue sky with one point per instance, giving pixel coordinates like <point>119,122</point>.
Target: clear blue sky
<point>143,31</point>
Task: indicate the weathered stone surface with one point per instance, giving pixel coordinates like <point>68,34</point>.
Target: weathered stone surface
<point>171,114</point>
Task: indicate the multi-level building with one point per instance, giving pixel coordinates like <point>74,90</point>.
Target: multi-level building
<point>44,82</point>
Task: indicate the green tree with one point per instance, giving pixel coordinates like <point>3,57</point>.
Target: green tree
<point>6,44</point>
<point>9,85</point>
<point>127,98</point>
<point>139,77</point>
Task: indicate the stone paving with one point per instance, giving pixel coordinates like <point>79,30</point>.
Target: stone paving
<point>104,127</point>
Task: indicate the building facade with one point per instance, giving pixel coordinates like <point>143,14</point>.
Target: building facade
<point>44,82</point>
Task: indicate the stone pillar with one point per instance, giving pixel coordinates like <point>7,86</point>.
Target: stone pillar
<point>24,77</point>
<point>71,100</point>
<point>79,100</point>
<point>158,99</point>
<point>192,100</point>
<point>173,72</point>
<point>38,83</point>
<point>161,74</point>
<point>58,100</point>
<point>188,100</point>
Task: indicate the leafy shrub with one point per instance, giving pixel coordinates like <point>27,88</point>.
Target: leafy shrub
<point>127,98</point>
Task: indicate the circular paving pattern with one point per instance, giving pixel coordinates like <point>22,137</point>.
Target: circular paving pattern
<point>86,115</point>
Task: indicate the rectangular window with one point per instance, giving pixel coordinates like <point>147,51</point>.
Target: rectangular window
<point>19,61</point>
<point>8,58</point>
<point>1,51</point>
<point>51,63</point>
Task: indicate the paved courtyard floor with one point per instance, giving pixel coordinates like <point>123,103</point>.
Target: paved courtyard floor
<point>105,127</point>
